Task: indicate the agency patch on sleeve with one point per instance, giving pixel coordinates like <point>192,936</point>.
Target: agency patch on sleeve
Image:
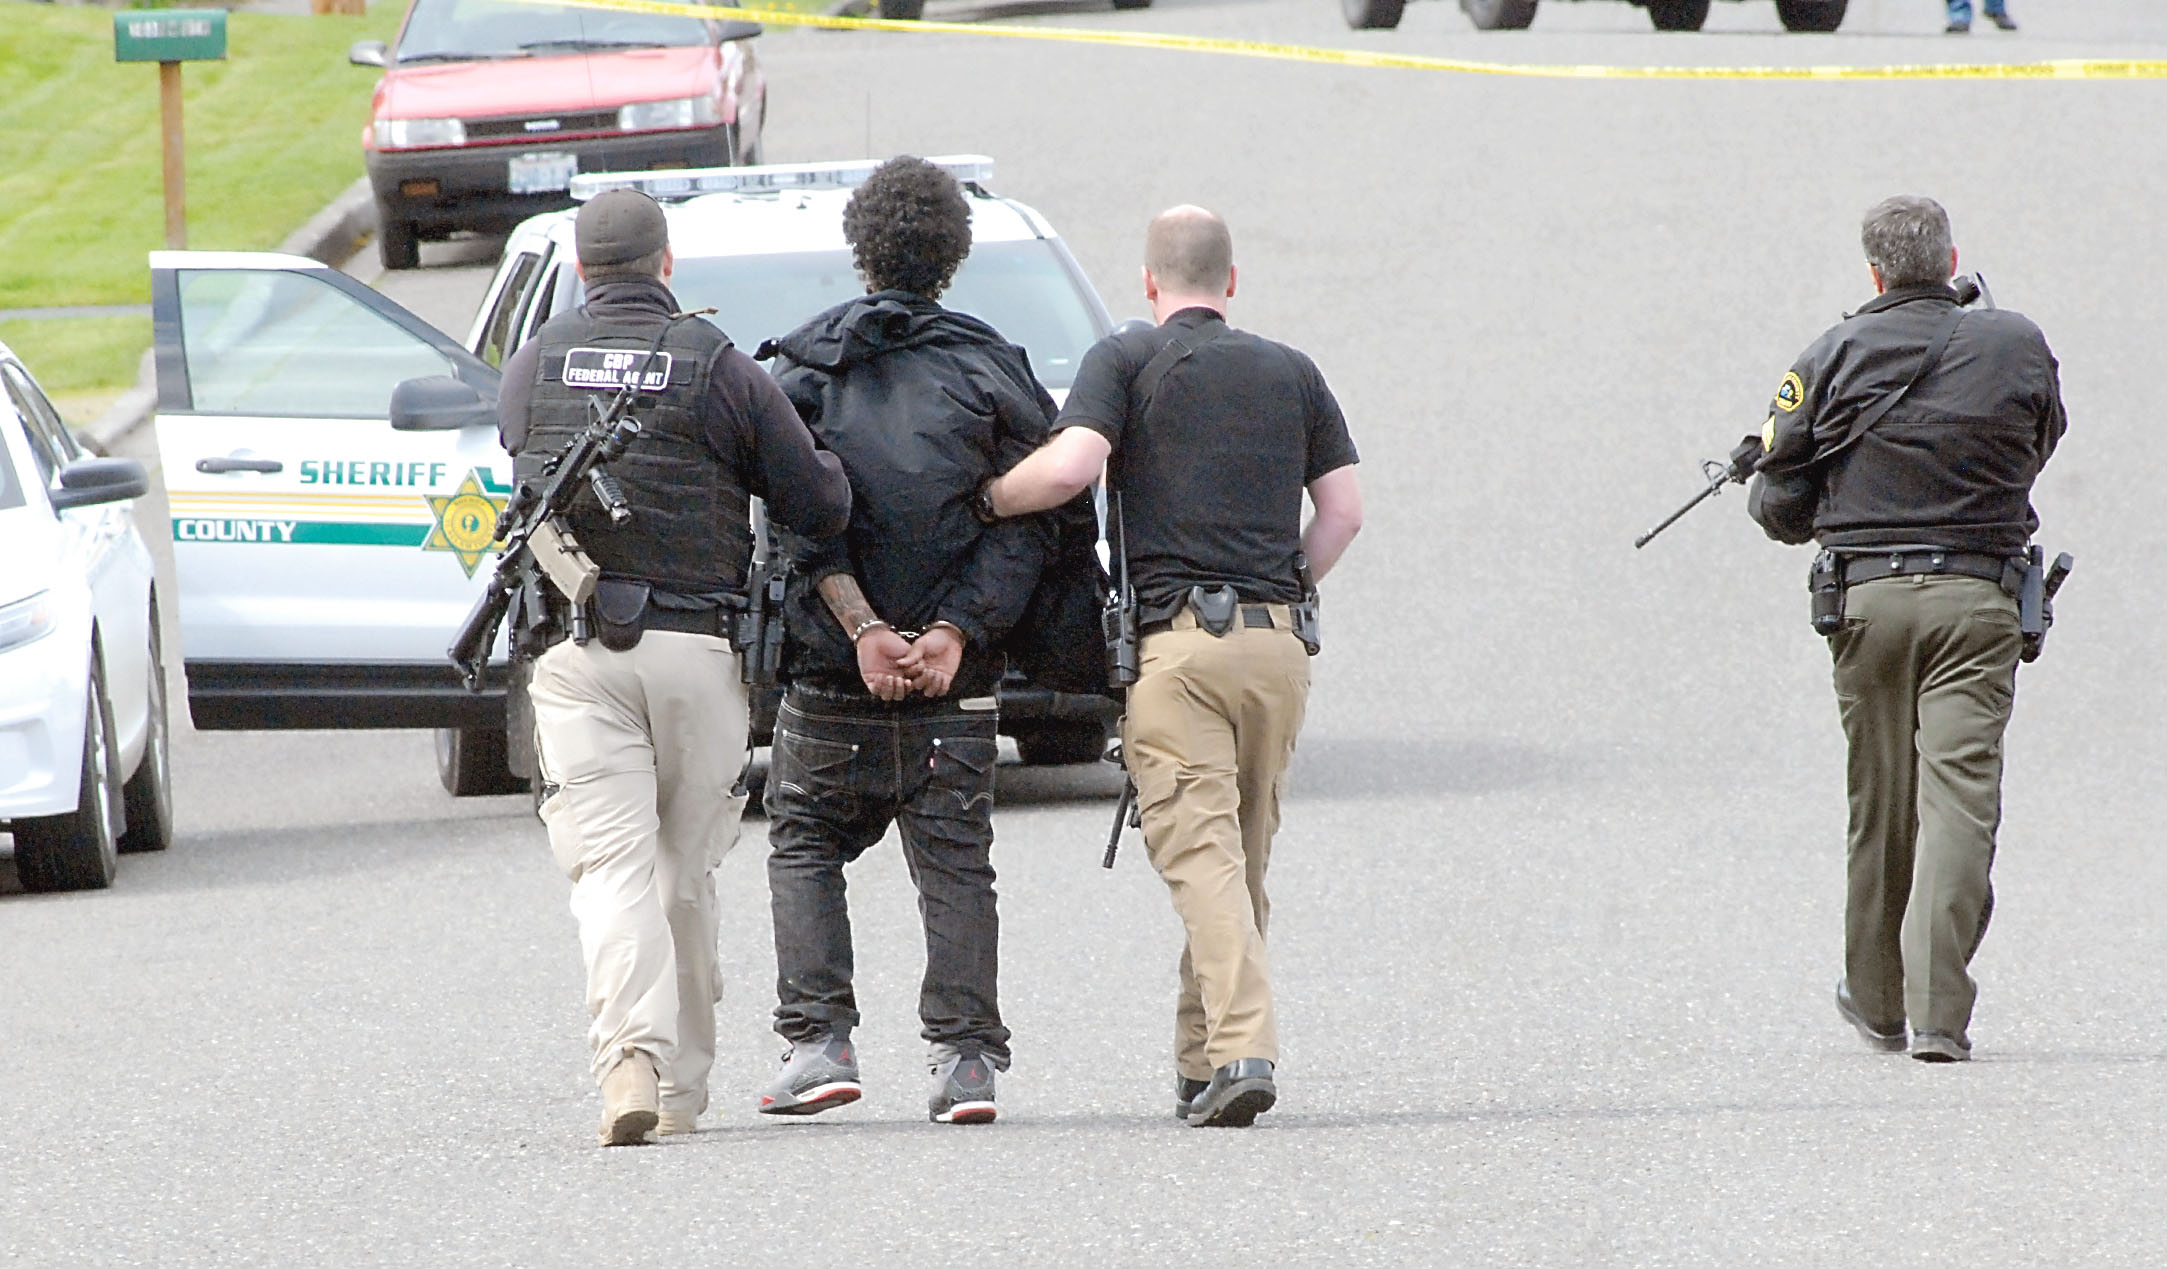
<point>1789,394</point>
<point>609,369</point>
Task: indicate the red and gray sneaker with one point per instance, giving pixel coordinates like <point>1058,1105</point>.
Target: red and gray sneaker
<point>962,1089</point>
<point>818,1074</point>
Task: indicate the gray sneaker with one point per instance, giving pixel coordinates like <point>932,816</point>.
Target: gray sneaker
<point>1940,1046</point>
<point>818,1074</point>
<point>962,1089</point>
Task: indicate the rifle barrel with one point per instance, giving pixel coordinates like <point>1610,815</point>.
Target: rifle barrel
<point>1714,487</point>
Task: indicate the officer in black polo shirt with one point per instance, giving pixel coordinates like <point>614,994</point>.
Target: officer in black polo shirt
<point>1209,437</point>
<point>1906,440</point>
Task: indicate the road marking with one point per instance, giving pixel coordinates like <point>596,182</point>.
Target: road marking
<point>2064,68</point>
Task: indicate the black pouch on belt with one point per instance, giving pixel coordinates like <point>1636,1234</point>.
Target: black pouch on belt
<point>1215,608</point>
<point>1825,582</point>
<point>620,613</point>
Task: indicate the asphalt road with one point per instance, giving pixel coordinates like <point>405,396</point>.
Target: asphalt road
<point>1558,895</point>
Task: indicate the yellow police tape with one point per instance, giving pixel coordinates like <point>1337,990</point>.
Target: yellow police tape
<point>2069,68</point>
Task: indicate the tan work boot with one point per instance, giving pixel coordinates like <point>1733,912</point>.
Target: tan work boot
<point>676,1123</point>
<point>631,1098</point>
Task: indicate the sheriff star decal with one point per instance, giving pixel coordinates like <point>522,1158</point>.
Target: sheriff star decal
<point>1790,393</point>
<point>466,522</point>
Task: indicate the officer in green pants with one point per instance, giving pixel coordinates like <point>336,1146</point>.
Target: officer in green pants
<point>1906,441</point>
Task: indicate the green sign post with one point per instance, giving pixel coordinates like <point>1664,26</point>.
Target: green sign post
<point>170,37</point>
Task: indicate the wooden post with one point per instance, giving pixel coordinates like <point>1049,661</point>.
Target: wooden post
<point>351,7</point>
<point>169,110</point>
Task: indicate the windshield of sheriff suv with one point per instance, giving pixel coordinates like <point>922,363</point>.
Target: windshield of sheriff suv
<point>1020,288</point>
<point>466,30</point>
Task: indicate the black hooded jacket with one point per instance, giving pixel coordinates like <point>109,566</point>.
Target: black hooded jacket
<point>923,405</point>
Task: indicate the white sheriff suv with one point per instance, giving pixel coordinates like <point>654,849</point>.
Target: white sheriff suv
<point>332,518</point>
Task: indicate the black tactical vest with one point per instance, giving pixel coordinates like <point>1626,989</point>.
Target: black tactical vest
<point>690,532</point>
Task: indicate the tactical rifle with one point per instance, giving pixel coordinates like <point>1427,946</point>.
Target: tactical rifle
<point>534,543</point>
<point>1744,461</point>
<point>1118,623</point>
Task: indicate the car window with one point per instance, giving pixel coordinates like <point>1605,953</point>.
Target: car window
<point>497,341</point>
<point>276,343</point>
<point>50,442</point>
<point>462,30</point>
<point>1020,288</point>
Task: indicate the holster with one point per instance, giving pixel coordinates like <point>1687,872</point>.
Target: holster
<point>1824,584</point>
<point>1215,609</point>
<point>620,613</point>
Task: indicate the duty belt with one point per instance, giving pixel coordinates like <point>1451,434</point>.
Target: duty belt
<point>1254,616</point>
<point>2004,571</point>
<point>706,621</point>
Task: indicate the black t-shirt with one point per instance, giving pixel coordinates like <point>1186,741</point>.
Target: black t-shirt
<point>1211,477</point>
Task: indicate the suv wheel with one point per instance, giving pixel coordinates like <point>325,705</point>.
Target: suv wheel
<point>77,851</point>
<point>396,243</point>
<point>1499,15</point>
<point>1811,15</point>
<point>474,762</point>
<point>1677,15</point>
<point>148,795</point>
<point>902,10</point>
<point>1369,15</point>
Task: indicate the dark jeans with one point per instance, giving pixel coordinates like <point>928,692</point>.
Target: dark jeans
<point>843,769</point>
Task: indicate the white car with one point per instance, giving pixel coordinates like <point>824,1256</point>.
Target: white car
<point>335,473</point>
<point>83,767</point>
<point>764,247</point>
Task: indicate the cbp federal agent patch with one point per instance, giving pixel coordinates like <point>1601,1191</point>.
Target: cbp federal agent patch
<point>609,369</point>
<point>1790,393</point>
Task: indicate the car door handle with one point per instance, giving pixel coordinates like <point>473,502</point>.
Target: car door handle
<point>216,465</point>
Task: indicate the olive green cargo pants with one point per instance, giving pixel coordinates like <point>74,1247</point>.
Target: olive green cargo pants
<point>1925,670</point>
<point>1211,726</point>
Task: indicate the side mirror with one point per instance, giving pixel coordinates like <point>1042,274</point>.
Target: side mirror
<point>87,482</point>
<point>735,30</point>
<point>367,53</point>
<point>439,403</point>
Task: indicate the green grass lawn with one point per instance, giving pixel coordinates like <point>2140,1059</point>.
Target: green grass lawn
<point>273,134</point>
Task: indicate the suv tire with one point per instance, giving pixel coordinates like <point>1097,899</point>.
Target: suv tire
<point>1811,15</point>
<point>473,762</point>
<point>1369,15</point>
<point>1499,15</point>
<point>902,10</point>
<point>78,850</point>
<point>1677,15</point>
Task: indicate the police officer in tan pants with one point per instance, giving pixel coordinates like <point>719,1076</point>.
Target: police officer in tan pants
<point>640,715</point>
<point>1209,437</point>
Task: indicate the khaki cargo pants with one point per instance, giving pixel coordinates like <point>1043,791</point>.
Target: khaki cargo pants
<point>644,746</point>
<point>1211,726</point>
<point>1925,670</point>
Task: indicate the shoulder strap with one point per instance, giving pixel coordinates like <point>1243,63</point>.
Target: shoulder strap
<point>1171,352</point>
<point>1880,408</point>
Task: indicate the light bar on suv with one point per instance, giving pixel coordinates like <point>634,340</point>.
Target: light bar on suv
<point>695,181</point>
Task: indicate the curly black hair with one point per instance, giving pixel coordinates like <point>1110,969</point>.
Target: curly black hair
<point>908,227</point>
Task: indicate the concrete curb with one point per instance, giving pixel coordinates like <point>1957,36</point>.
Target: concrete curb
<point>331,235</point>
